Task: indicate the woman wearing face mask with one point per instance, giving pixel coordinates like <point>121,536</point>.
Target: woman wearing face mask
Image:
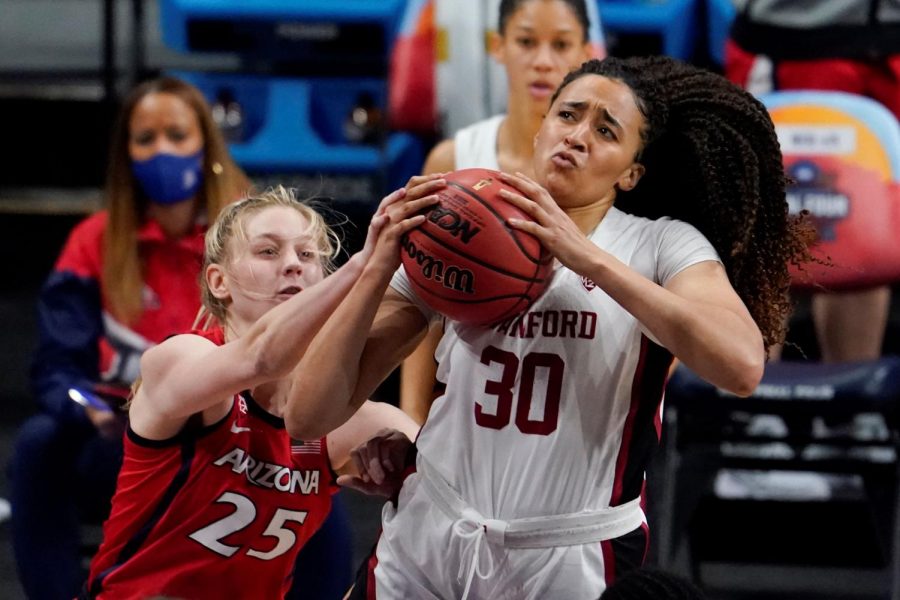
<point>126,279</point>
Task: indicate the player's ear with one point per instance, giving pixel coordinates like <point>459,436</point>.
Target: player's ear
<point>217,281</point>
<point>587,51</point>
<point>495,46</point>
<point>629,179</point>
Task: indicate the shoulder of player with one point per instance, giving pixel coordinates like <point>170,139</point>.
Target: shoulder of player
<point>669,228</point>
<point>659,227</point>
<point>172,350</point>
<point>442,158</point>
<point>170,390</point>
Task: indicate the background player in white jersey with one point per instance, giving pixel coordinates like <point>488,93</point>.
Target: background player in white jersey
<point>530,466</point>
<point>538,42</point>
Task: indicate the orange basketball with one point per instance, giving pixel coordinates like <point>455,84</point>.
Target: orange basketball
<point>465,262</point>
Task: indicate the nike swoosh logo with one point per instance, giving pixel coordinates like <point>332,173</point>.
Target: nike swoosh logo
<point>236,429</point>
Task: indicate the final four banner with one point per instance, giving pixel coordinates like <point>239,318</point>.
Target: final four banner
<point>843,153</point>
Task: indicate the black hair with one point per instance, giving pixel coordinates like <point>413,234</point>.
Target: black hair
<point>712,159</point>
<point>578,7</point>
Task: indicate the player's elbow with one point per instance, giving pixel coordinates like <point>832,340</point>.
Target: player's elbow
<point>314,409</point>
<point>307,433</point>
<point>301,425</point>
<point>746,373</point>
<point>304,419</point>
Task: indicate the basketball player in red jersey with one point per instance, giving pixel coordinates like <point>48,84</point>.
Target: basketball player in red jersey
<point>214,498</point>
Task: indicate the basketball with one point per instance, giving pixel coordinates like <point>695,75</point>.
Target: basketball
<point>465,262</point>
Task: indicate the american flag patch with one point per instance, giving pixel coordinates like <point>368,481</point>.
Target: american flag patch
<point>307,447</point>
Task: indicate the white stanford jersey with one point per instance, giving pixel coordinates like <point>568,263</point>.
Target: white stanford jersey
<point>558,410</point>
<point>476,145</point>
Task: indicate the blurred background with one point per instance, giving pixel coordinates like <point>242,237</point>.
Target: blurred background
<point>340,99</point>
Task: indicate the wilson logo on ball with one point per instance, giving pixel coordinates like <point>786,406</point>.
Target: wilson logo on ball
<point>466,262</point>
<point>451,277</point>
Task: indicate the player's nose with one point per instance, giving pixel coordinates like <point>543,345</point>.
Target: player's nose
<point>292,263</point>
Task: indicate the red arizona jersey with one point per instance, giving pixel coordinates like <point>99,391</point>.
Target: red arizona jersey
<point>217,512</point>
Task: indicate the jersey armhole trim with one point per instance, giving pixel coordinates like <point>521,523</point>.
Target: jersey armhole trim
<point>187,433</point>
<point>261,413</point>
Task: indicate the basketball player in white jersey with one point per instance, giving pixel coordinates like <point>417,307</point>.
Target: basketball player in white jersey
<point>530,467</point>
<point>538,42</point>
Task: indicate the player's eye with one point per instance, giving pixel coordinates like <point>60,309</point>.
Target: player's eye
<point>143,138</point>
<point>176,135</point>
<point>526,42</point>
<point>606,132</point>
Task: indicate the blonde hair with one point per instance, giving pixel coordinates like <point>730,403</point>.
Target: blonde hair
<point>230,224</point>
<point>223,182</point>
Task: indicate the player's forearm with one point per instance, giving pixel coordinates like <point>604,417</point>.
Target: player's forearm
<point>279,339</point>
<point>327,389</point>
<point>417,376</point>
<point>714,342</point>
<point>717,340</point>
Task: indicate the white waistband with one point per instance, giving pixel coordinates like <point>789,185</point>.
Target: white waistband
<point>534,532</point>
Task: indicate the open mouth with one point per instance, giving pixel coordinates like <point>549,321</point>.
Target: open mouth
<point>540,88</point>
<point>290,290</point>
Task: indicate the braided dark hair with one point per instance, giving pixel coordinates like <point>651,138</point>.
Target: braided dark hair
<point>713,160</point>
<point>651,584</point>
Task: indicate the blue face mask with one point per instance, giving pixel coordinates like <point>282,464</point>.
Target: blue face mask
<point>169,179</point>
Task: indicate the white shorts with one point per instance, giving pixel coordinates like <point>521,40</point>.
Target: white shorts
<point>425,553</point>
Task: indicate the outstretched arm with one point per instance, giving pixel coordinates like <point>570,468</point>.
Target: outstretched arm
<point>365,339</point>
<point>697,315</point>
<point>171,389</point>
<point>418,371</point>
<point>417,376</point>
<point>269,350</point>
